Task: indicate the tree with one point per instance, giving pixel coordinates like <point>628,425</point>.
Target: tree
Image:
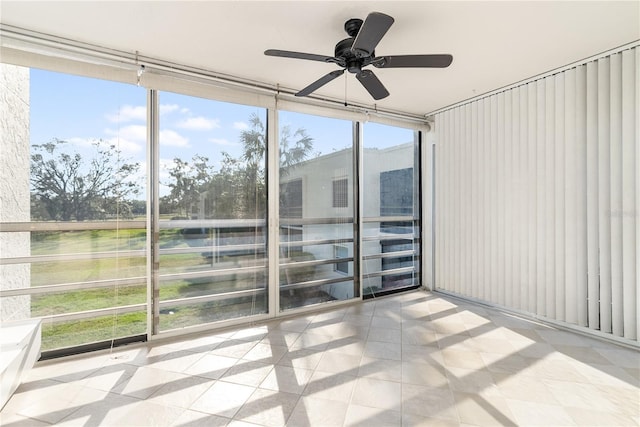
<point>238,188</point>
<point>188,181</point>
<point>66,187</point>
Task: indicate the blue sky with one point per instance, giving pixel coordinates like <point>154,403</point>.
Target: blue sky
<point>82,110</point>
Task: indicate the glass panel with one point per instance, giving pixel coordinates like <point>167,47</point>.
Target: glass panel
<point>390,249</point>
<point>212,211</point>
<point>316,210</point>
<point>73,172</point>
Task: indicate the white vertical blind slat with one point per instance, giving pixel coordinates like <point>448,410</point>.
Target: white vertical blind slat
<point>541,201</point>
<point>500,199</point>
<point>475,205</point>
<point>592,197</point>
<point>581,190</point>
<point>468,213</point>
<point>571,245</point>
<point>616,194</point>
<point>549,212</point>
<point>493,237</point>
<point>559,202</point>
<point>518,224</point>
<point>604,192</point>
<point>532,173</point>
<point>629,244</point>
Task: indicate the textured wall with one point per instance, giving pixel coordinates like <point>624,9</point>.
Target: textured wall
<point>14,185</point>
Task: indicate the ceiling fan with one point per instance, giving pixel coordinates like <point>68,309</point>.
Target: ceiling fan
<point>357,51</point>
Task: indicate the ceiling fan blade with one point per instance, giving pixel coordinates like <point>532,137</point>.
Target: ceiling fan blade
<point>372,84</point>
<point>405,61</point>
<point>320,82</point>
<point>298,55</point>
<point>373,29</point>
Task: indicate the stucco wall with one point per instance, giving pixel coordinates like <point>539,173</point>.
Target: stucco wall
<point>14,186</point>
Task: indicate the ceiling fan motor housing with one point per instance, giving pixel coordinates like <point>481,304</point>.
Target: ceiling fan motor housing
<point>353,63</point>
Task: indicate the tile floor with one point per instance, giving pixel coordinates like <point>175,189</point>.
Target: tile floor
<point>407,360</point>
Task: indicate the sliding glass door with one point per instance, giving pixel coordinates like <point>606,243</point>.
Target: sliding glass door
<point>212,206</point>
<point>391,209</point>
<point>316,211</point>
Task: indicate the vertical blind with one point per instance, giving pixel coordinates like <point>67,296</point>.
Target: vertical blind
<point>538,196</point>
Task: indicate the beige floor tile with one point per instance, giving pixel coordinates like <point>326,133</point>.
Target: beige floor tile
<point>489,411</point>
<point>419,336</point>
<point>176,361</point>
<point>462,359</point>
<point>265,353</point>
<point>108,411</point>
<point>247,372</point>
<point>381,369</point>
<point>313,412</point>
<point>539,414</point>
<point>146,381</point>
<point>412,420</point>
<point>211,366</point>
<point>301,358</point>
<point>181,393</point>
<point>311,341</point>
<point>524,388</point>
<point>223,399</point>
<point>596,417</point>
<point>339,363</point>
<point>327,386</point>
<point>384,335</point>
<point>430,375</point>
<point>429,402</point>
<point>15,420</point>
<point>233,348</point>
<point>380,320</point>
<point>287,379</point>
<point>364,416</point>
<point>383,350</point>
<point>268,408</point>
<point>280,338</point>
<point>200,419</point>
<point>626,358</point>
<point>479,381</point>
<point>428,354</point>
<point>376,393</point>
<point>146,413</point>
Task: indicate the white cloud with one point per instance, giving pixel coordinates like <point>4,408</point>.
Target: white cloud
<point>122,143</point>
<point>82,142</point>
<point>199,123</point>
<point>127,113</point>
<point>125,145</point>
<point>240,125</point>
<point>133,132</point>
<point>168,108</point>
<point>220,141</point>
<point>173,139</point>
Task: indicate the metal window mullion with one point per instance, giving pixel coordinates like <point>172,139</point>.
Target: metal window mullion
<point>357,209</point>
<point>273,211</point>
<point>153,217</point>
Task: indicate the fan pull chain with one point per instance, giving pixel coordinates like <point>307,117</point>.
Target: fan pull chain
<point>345,89</point>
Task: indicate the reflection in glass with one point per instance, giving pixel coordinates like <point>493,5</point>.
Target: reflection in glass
<point>73,243</point>
<point>390,248</point>
<point>212,211</point>
<point>316,210</point>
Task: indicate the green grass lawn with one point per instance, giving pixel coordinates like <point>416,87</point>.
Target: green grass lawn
<point>64,334</point>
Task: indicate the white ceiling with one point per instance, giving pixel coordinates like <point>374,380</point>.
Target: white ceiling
<point>493,43</point>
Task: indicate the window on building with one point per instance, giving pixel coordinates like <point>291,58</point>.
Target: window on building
<point>340,193</point>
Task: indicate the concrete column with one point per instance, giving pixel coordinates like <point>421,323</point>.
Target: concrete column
<point>14,187</point>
